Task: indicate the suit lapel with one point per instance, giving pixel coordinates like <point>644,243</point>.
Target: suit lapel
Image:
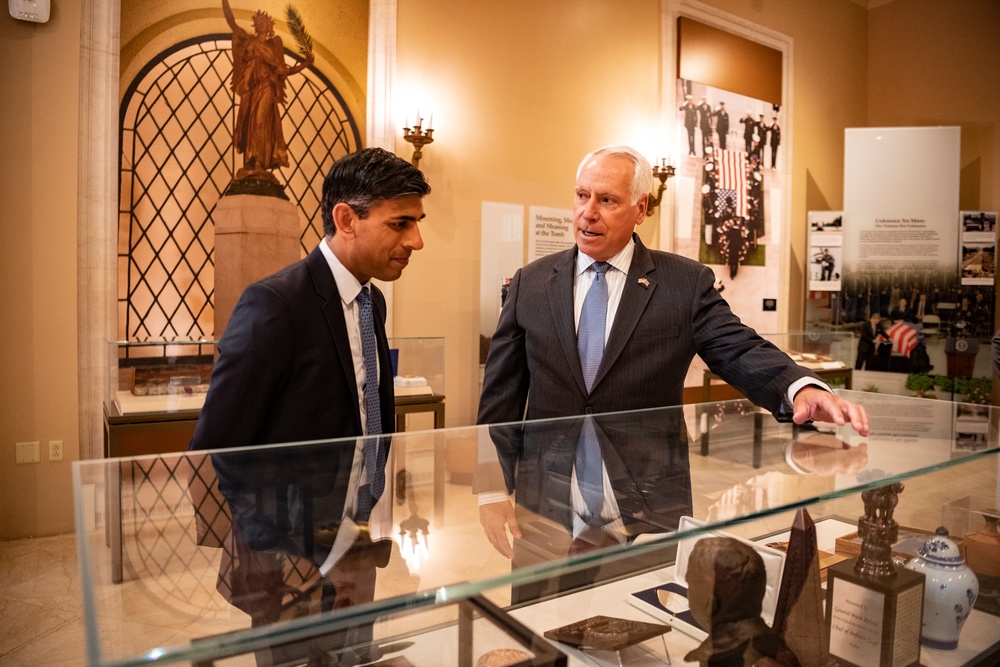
<point>333,313</point>
<point>639,288</point>
<point>560,293</point>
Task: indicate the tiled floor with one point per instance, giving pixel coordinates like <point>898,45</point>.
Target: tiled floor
<point>41,614</point>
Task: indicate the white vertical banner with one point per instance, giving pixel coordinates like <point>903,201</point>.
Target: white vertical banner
<point>685,197</point>
<point>501,254</point>
<point>901,198</point>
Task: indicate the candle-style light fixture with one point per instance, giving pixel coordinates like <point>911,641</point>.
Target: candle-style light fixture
<point>418,135</point>
<point>662,172</point>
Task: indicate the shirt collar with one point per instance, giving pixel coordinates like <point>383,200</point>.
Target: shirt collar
<point>622,261</point>
<point>348,286</point>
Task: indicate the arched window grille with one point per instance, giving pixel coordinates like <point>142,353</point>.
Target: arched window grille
<point>177,158</point>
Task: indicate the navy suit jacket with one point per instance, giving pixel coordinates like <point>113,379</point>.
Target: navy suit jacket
<point>285,373</point>
<point>669,311</point>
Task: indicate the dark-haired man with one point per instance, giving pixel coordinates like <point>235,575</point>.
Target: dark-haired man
<point>305,357</point>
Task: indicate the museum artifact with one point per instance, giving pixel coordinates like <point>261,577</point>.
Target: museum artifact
<point>259,74</point>
<point>982,552</point>
<point>605,633</point>
<point>502,657</point>
<point>726,582</point>
<point>798,618</point>
<point>950,590</point>
<point>873,606</point>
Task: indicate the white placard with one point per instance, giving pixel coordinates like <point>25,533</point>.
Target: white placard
<point>901,198</point>
<point>549,230</point>
<point>856,618</point>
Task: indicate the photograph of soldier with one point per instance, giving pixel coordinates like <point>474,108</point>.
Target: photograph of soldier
<point>722,124</point>
<point>749,130</point>
<point>774,140</point>
<point>705,124</point>
<point>759,136</point>
<point>690,121</point>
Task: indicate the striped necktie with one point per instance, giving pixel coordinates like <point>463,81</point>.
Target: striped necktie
<point>593,318</point>
<point>374,462</point>
<point>590,345</point>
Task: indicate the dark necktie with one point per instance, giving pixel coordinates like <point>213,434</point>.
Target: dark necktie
<point>370,493</point>
<point>590,344</point>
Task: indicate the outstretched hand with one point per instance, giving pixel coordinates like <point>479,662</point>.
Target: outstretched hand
<point>496,518</point>
<point>814,403</point>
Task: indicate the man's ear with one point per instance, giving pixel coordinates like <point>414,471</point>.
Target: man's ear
<point>344,218</point>
<point>643,204</point>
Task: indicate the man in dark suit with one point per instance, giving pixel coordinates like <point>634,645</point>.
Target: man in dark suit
<point>868,343</point>
<point>662,309</point>
<point>305,357</point>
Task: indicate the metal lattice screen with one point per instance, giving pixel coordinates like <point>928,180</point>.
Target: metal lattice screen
<point>177,158</point>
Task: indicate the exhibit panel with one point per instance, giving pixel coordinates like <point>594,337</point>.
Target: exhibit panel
<point>258,555</point>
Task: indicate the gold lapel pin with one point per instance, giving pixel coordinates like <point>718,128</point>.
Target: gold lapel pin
<point>644,282</point>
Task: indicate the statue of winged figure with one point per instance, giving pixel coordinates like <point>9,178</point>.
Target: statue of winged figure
<point>259,74</point>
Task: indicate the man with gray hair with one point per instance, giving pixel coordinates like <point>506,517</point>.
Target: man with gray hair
<point>555,355</point>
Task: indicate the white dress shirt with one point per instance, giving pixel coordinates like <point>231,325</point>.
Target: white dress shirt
<point>349,288</point>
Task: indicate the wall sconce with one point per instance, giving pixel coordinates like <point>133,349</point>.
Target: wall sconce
<point>662,172</point>
<point>419,136</point>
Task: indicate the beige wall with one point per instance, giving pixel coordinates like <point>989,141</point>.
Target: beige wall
<point>516,105</point>
<point>38,308</point>
<point>522,89</point>
<point>522,101</point>
<point>957,82</point>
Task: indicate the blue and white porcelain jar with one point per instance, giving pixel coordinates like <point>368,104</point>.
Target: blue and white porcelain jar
<point>950,590</point>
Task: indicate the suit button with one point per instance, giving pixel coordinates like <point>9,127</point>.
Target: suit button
<point>588,411</point>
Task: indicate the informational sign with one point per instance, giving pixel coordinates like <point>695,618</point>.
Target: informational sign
<point>856,624</point>
<point>826,258</point>
<point>900,198</point>
<point>549,230</point>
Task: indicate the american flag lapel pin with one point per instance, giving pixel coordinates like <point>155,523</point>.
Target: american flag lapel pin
<point>644,282</point>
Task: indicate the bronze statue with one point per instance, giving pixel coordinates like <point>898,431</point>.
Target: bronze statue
<point>726,585</point>
<point>259,73</point>
<point>878,531</point>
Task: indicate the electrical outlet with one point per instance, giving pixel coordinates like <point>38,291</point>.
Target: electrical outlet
<point>27,452</point>
<point>55,450</point>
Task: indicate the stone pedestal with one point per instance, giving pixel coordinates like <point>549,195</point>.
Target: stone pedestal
<point>254,237</point>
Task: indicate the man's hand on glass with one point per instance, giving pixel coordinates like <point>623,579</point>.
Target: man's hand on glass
<point>497,518</point>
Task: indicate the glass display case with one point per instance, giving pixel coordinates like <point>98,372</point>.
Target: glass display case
<point>241,557</point>
<point>829,354</point>
<point>155,393</point>
<point>161,376</point>
<point>418,366</point>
